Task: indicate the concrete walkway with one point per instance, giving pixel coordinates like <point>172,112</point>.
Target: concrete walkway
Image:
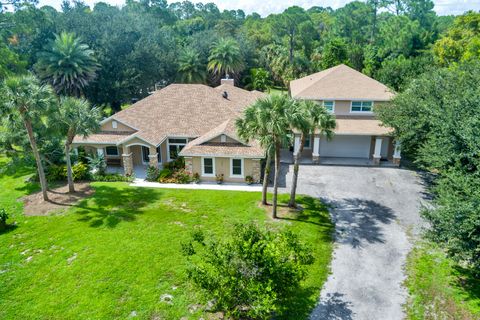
<point>375,211</point>
<point>199,186</point>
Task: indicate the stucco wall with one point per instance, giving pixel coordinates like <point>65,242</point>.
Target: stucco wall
<point>227,139</point>
<point>222,165</point>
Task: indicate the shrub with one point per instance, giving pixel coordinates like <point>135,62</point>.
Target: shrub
<point>182,176</point>
<point>111,177</point>
<point>165,173</point>
<point>196,177</point>
<point>252,273</point>
<point>219,178</point>
<point>152,174</point>
<point>80,171</point>
<point>56,172</point>
<point>3,218</point>
<point>249,179</point>
<point>97,164</point>
<point>176,164</point>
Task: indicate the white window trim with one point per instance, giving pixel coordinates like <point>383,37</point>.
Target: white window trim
<point>114,124</point>
<point>112,155</point>
<point>362,101</point>
<point>242,166</point>
<point>141,153</point>
<point>333,107</point>
<point>174,144</point>
<point>203,167</point>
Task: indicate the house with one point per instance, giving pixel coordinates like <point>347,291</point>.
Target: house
<point>190,120</point>
<point>351,96</point>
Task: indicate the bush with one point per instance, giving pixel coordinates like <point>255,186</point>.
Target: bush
<point>249,179</point>
<point>56,172</point>
<point>3,219</point>
<point>97,164</point>
<point>176,164</point>
<point>80,172</point>
<point>111,177</point>
<point>196,177</point>
<point>182,176</point>
<point>251,274</point>
<point>165,173</point>
<point>152,174</point>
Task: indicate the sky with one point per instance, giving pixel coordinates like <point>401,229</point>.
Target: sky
<point>265,7</point>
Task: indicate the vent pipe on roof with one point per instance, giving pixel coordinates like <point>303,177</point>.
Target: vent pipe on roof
<point>225,94</point>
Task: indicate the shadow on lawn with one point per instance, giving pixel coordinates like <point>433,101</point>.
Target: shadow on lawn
<point>312,211</point>
<point>468,281</point>
<point>109,206</point>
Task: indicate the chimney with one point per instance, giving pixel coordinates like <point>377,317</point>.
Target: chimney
<point>227,80</point>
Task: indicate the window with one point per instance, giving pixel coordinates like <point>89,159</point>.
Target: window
<point>145,153</point>
<point>329,105</point>
<point>361,106</point>
<point>307,144</point>
<point>174,147</point>
<point>223,138</point>
<point>236,167</point>
<point>111,151</point>
<point>114,124</point>
<point>208,167</point>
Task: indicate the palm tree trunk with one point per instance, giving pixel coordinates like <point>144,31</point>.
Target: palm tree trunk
<point>296,166</point>
<point>266,174</point>
<point>275,181</point>
<point>33,144</point>
<point>71,186</point>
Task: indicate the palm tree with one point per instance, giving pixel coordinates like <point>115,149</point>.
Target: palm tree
<point>67,64</point>
<point>225,58</point>
<point>191,68</point>
<point>75,117</point>
<point>272,118</point>
<point>315,119</point>
<point>31,100</point>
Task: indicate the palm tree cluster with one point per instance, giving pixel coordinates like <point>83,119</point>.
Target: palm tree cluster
<point>225,59</point>
<point>66,67</point>
<point>271,121</point>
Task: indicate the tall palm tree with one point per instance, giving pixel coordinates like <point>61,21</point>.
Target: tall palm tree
<point>25,96</point>
<point>315,119</point>
<point>225,58</point>
<point>67,64</point>
<point>272,118</point>
<point>191,68</point>
<point>75,117</point>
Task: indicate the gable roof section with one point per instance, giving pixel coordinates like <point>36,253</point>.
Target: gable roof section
<point>184,110</point>
<point>339,83</point>
<point>203,146</point>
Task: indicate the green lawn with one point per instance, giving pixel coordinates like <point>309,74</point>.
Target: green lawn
<point>439,288</point>
<point>117,253</point>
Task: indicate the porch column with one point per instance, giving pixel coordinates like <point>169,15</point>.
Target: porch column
<point>256,170</point>
<point>316,150</point>
<point>397,154</point>
<point>189,165</point>
<point>100,152</point>
<point>378,151</point>
<point>296,145</point>
<point>153,157</point>
<point>127,161</point>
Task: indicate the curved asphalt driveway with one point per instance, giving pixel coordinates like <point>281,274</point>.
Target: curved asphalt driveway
<point>375,211</point>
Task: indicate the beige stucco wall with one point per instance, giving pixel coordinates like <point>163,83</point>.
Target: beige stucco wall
<point>342,108</point>
<point>222,165</point>
<point>107,126</point>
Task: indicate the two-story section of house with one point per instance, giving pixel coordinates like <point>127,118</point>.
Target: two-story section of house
<point>352,97</point>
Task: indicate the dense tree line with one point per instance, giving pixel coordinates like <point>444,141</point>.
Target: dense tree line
<point>149,42</point>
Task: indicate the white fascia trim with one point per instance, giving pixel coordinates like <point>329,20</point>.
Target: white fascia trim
<point>86,143</point>
<point>203,167</point>
<point>231,168</point>
<point>135,135</point>
<point>221,156</point>
<point>341,99</point>
<point>113,118</point>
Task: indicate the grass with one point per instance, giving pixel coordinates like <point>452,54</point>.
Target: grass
<point>439,288</point>
<point>116,253</point>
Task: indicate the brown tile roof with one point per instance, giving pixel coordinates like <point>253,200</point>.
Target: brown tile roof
<point>184,110</point>
<point>203,146</point>
<point>339,83</point>
<point>104,137</point>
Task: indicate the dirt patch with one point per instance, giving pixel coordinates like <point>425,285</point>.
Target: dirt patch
<point>59,200</point>
<point>283,211</point>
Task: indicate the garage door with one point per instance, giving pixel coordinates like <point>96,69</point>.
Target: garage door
<point>346,147</point>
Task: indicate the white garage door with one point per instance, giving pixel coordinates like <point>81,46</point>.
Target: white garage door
<point>346,147</point>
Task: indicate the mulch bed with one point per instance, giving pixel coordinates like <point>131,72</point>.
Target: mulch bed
<point>59,200</point>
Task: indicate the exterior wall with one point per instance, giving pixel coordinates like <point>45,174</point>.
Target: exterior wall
<point>163,152</point>
<point>136,151</point>
<point>222,165</point>
<point>227,140</point>
<point>107,126</point>
<point>342,108</point>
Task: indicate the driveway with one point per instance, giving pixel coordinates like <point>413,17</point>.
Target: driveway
<point>375,211</point>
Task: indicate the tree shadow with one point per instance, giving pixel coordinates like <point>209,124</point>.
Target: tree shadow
<point>300,304</point>
<point>469,282</point>
<point>333,306</point>
<point>358,220</point>
<point>109,206</point>
<point>310,210</point>
<point>8,228</point>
